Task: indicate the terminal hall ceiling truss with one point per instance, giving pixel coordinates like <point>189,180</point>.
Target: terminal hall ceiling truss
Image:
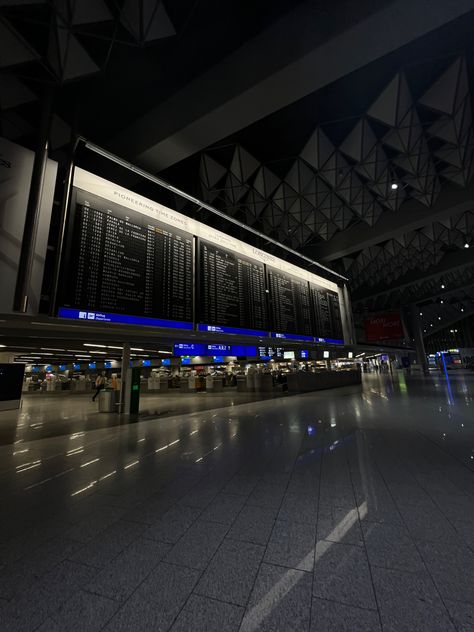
<point>415,143</point>
<point>406,148</point>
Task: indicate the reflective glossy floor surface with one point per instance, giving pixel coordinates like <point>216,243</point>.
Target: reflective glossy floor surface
<point>350,509</point>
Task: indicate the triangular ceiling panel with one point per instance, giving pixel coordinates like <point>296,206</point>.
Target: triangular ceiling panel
<point>449,90</point>
<point>394,102</point>
<point>243,164</point>
<point>14,49</point>
<point>317,149</point>
<point>210,171</point>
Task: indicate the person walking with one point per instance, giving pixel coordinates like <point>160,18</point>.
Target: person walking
<point>99,384</point>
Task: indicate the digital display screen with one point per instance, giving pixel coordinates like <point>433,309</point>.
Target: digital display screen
<point>76,367</point>
<point>326,313</point>
<point>62,367</point>
<point>92,365</point>
<point>304,354</point>
<point>166,362</point>
<point>185,360</point>
<point>108,365</point>
<point>218,358</point>
<point>132,261</point>
<point>231,288</point>
<point>189,348</point>
<point>271,352</point>
<point>290,306</point>
<point>120,261</point>
<point>146,362</point>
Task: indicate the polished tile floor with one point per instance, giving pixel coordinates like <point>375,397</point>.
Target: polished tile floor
<point>350,509</point>
<point>55,414</point>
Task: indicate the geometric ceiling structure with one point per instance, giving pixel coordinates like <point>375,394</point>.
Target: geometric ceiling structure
<point>391,155</point>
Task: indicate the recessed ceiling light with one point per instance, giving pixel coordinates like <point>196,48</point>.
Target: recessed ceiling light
<point>421,313</point>
<point>394,186</point>
<point>466,245</point>
<point>442,286</point>
<point>439,317</point>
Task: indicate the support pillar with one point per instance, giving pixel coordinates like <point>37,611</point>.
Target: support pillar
<point>347,320</point>
<point>418,339</point>
<point>126,377</point>
<point>27,254</point>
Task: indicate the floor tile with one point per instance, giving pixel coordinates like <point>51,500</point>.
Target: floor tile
<point>122,576</point>
<point>196,548</point>
<point>408,602</point>
<point>341,573</point>
<point>462,614</point>
<point>390,546</point>
<point>330,616</point>
<point>224,508</point>
<point>84,612</point>
<point>201,614</point>
<point>339,524</point>
<point>241,485</point>
<point>108,544</point>
<point>253,524</point>
<point>280,600</point>
<point>292,544</point>
<point>231,574</point>
<point>451,567</point>
<point>299,508</point>
<point>266,495</point>
<point>157,602</point>
<point>173,524</point>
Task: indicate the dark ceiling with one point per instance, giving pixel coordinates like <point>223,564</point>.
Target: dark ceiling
<point>293,117</point>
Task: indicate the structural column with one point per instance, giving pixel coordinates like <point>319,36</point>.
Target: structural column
<point>418,339</point>
<point>20,303</point>
<point>347,321</point>
<point>125,393</point>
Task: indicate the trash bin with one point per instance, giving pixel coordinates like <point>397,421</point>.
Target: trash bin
<point>108,400</point>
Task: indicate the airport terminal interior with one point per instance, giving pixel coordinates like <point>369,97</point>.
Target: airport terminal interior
<point>236,316</point>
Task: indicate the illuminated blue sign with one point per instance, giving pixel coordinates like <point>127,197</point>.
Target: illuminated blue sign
<point>92,365</point>
<point>217,348</point>
<point>293,337</point>
<point>108,365</point>
<point>123,319</point>
<point>218,358</point>
<point>62,367</point>
<point>304,354</point>
<point>189,348</point>
<point>35,369</point>
<point>146,362</point>
<point>49,368</point>
<point>231,330</point>
<point>76,367</point>
<point>243,350</point>
<point>166,362</point>
<point>185,360</point>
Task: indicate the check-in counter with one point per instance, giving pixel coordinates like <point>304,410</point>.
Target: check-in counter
<point>304,382</point>
<point>214,384</point>
<point>241,384</point>
<point>263,383</point>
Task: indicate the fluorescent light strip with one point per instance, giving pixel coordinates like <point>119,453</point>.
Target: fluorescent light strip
<point>89,462</point>
<point>131,464</point>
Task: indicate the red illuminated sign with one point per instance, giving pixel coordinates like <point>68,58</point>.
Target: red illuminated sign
<point>384,327</point>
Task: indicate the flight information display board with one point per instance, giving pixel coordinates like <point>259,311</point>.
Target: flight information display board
<point>124,262</point>
<point>130,260</point>
<point>290,306</point>
<point>326,313</point>
<point>231,288</point>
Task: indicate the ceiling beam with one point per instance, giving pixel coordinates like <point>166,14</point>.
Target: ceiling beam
<point>306,50</point>
<point>450,263</point>
<point>410,216</point>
